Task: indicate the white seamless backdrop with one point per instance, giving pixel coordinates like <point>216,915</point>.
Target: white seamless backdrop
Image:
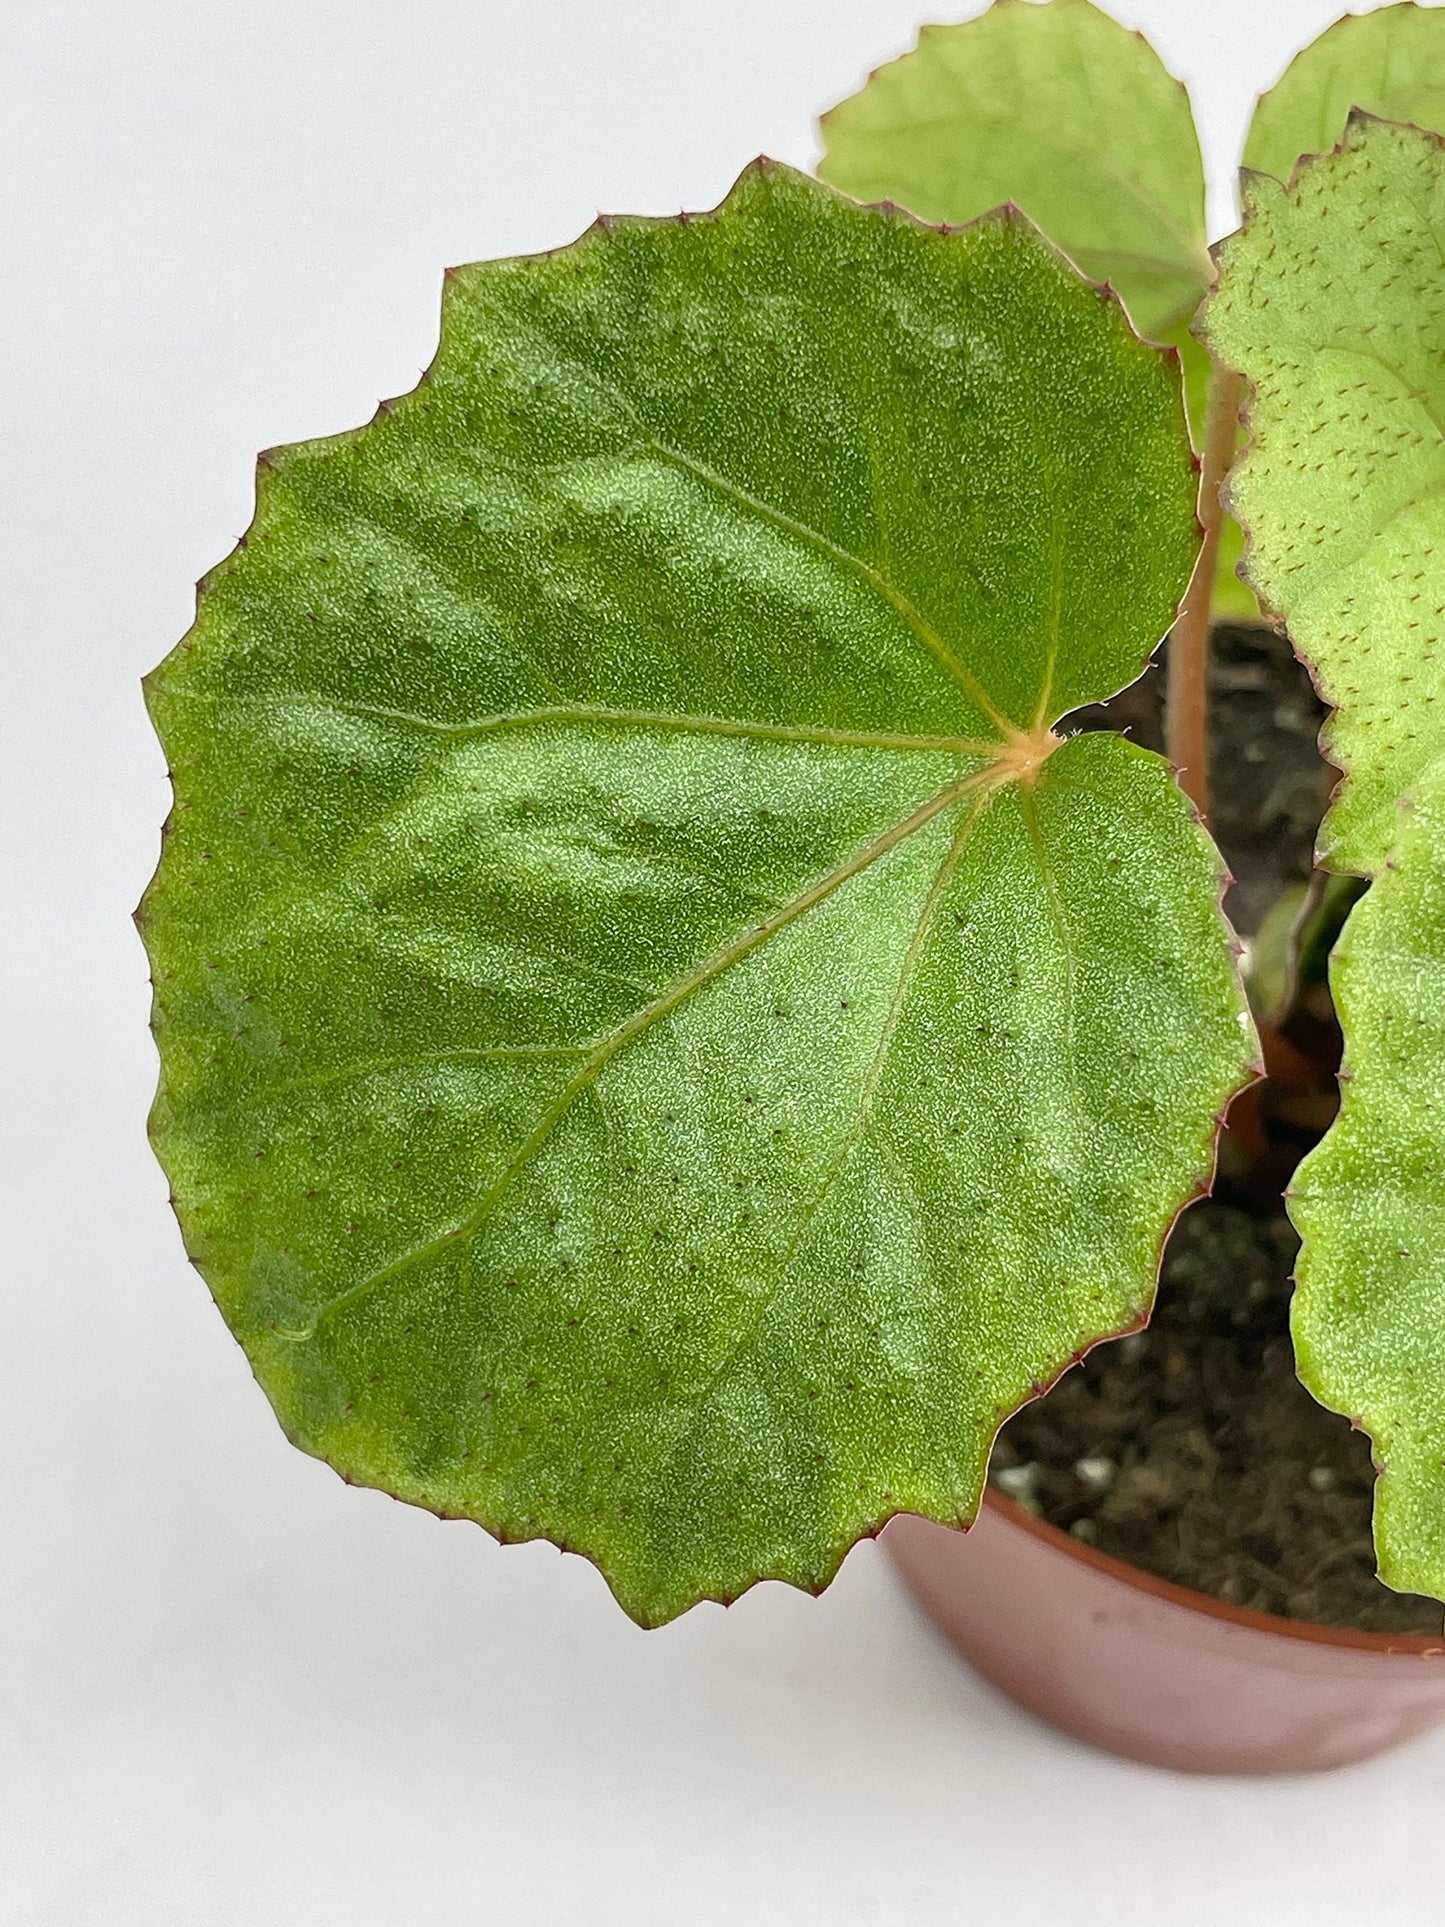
<point>234,1693</point>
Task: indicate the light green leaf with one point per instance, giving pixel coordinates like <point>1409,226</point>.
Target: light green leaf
<point>662,1050</point>
<point>1289,955</point>
<point>1269,975</point>
<point>1369,1311</point>
<point>1059,109</point>
<point>1332,303</point>
<point>1390,62</point>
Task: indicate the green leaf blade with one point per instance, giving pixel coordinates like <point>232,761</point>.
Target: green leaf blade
<point>624,922</point>
<point>1059,109</point>
<point>1332,303</point>
<point>1369,1310</point>
<point>1389,62</point>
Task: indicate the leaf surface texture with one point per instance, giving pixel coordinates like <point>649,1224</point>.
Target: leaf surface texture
<point>1060,110</point>
<point>1390,62</point>
<point>661,1050</point>
<point>1332,302</point>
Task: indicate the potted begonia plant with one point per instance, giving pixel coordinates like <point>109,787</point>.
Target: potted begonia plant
<point>671,1033</point>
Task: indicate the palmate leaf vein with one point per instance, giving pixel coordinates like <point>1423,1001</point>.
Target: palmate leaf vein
<point>858,1125</point>
<point>886,587</point>
<point>666,719</point>
<point>648,442</point>
<point>565,712</point>
<point>641,1021</point>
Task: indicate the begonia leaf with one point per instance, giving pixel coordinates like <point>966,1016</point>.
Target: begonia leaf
<point>1389,62</point>
<point>1057,108</point>
<point>663,1046</point>
<point>1332,302</point>
<point>1369,1309</point>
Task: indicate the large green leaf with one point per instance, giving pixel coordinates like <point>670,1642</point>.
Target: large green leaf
<point>1390,63</point>
<point>662,1049</point>
<point>1332,302</point>
<point>1058,108</point>
<point>1062,111</point>
<point>1369,1311</point>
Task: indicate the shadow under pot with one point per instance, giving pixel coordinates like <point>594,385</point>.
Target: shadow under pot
<point>1155,1671</point>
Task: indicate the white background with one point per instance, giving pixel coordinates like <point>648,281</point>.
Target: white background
<point>234,1693</point>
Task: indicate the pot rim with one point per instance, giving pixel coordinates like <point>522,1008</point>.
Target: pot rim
<point>1412,1645</point>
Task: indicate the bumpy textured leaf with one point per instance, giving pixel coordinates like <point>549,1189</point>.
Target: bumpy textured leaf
<point>1332,301</point>
<point>1060,110</point>
<point>1390,62</point>
<point>1055,107</point>
<point>661,1048</point>
<point>1369,1312</point>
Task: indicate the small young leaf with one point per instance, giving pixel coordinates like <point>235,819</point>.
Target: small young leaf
<point>1369,1311</point>
<point>662,1048</point>
<point>1332,303</point>
<point>1390,63</point>
<point>1059,109</point>
<point>1269,975</point>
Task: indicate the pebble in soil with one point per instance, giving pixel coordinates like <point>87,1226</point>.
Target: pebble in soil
<point>1191,1449</point>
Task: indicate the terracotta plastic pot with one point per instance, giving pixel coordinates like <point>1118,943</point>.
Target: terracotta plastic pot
<point>1157,1672</point>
